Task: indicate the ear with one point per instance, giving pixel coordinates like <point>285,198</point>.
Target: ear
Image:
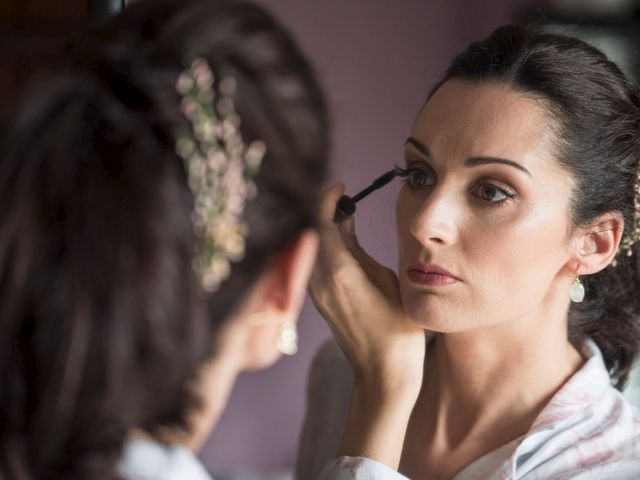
<point>286,279</point>
<point>595,246</point>
<point>277,299</point>
<point>249,339</point>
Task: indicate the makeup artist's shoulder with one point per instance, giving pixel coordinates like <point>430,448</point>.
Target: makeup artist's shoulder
<point>328,394</point>
<point>145,459</point>
<point>330,382</point>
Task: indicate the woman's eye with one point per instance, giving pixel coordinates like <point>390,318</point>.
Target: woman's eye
<point>493,194</point>
<point>417,178</point>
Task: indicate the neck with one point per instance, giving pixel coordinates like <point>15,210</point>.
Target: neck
<point>489,385</point>
<point>212,385</point>
<point>484,376</point>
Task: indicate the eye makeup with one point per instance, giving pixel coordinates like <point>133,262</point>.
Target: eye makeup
<point>417,177</point>
<point>346,206</point>
<point>419,174</point>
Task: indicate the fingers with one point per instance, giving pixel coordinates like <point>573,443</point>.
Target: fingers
<point>332,254</point>
<point>347,230</point>
<point>340,250</point>
<point>333,250</point>
<point>329,201</point>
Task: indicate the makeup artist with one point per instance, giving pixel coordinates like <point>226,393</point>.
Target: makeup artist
<point>158,225</point>
<point>518,227</point>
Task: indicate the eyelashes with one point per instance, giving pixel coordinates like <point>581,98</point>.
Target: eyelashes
<point>415,178</point>
<point>489,193</point>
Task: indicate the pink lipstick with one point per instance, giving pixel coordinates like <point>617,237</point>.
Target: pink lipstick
<point>430,274</point>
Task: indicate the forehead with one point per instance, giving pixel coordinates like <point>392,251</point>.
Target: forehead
<point>464,119</point>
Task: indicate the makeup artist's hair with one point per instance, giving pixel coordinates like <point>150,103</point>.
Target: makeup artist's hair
<point>101,318</point>
<point>595,113</point>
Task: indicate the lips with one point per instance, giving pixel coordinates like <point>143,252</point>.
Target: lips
<point>430,274</point>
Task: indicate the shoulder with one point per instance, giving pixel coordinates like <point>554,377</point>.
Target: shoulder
<point>150,460</point>
<point>588,430</point>
<point>603,442</point>
<point>328,395</point>
<point>329,385</point>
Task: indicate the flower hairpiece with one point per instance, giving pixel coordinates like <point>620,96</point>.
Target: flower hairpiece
<point>629,240</point>
<point>220,170</point>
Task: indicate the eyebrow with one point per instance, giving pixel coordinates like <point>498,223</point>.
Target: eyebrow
<point>470,162</point>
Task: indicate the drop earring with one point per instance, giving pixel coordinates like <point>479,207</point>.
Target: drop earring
<point>576,293</point>
<point>288,339</point>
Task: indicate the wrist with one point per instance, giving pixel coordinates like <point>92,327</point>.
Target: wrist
<point>377,422</point>
<point>384,393</point>
<point>394,377</point>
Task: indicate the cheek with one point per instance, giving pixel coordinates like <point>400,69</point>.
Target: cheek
<point>517,242</point>
<point>507,258</point>
<point>513,265</point>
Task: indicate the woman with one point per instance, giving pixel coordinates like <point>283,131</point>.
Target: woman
<point>158,198</point>
<point>522,191</point>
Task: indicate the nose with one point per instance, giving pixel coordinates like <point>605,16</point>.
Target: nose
<point>436,221</point>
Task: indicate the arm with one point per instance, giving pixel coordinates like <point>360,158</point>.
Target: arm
<point>330,384</point>
<point>377,423</point>
<point>360,299</point>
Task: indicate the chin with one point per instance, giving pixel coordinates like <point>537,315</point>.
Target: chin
<point>435,313</point>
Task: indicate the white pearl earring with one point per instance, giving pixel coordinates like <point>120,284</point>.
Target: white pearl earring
<point>288,339</point>
<point>576,293</point>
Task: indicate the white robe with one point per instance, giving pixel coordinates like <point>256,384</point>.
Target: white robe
<point>586,431</point>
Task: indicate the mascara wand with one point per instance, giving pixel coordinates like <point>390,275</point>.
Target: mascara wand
<point>347,205</point>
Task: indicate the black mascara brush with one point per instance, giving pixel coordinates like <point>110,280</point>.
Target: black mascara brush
<point>347,205</point>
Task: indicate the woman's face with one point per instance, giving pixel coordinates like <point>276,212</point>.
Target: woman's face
<point>486,201</point>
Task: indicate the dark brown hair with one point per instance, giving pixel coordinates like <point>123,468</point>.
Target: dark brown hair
<point>102,321</point>
<point>595,110</point>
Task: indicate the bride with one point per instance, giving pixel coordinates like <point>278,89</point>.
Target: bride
<point>517,228</point>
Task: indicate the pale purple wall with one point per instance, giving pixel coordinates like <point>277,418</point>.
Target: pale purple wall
<point>376,60</point>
